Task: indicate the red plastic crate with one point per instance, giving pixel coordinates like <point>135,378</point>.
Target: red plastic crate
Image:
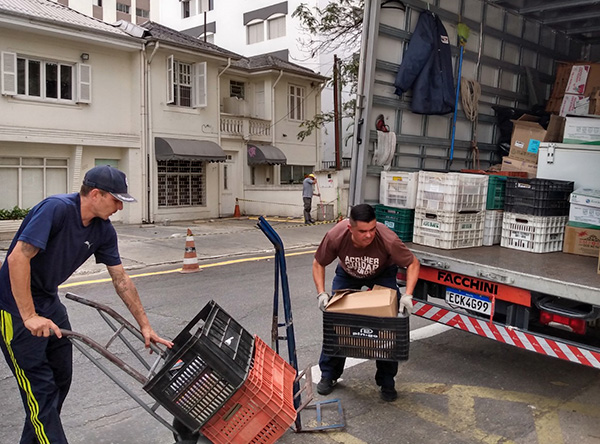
<point>262,410</point>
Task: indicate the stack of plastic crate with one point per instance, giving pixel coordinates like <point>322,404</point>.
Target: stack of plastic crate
<point>262,410</point>
<point>208,363</point>
<point>399,220</point>
<point>398,189</point>
<point>397,200</point>
<point>535,214</point>
<point>494,210</point>
<point>450,210</point>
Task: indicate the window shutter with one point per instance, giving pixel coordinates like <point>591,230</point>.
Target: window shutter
<point>170,79</point>
<point>199,85</point>
<point>84,83</point>
<point>9,73</point>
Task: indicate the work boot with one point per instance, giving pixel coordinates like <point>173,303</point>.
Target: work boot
<point>388,394</point>
<point>326,386</point>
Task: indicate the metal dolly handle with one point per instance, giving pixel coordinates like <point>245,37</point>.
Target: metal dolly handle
<point>119,325</point>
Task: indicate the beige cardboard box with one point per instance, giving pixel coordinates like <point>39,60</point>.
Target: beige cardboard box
<point>583,214</point>
<point>583,241</point>
<point>380,301</point>
<point>510,164</point>
<point>526,137</point>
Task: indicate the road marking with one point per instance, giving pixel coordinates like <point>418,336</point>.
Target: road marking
<point>177,270</point>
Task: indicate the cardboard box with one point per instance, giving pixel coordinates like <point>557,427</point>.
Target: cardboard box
<point>595,101</point>
<point>586,196</point>
<point>577,79</point>
<point>380,301</point>
<point>584,215</point>
<point>574,104</point>
<point>510,164</point>
<point>526,137</point>
<point>582,241</point>
<point>582,130</point>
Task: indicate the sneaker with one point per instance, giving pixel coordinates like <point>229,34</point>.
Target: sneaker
<point>326,386</point>
<point>388,394</point>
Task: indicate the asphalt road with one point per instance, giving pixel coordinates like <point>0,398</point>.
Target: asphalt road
<point>455,388</point>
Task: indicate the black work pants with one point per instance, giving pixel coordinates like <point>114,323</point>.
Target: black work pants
<point>332,367</point>
<point>43,369</point>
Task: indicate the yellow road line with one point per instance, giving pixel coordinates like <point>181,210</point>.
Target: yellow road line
<point>157,273</point>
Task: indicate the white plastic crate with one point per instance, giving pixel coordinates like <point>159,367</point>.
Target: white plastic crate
<point>536,234</point>
<point>454,192</point>
<point>492,228</point>
<point>448,230</point>
<point>398,189</point>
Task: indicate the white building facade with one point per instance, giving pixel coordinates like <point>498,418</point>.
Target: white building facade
<point>259,27</point>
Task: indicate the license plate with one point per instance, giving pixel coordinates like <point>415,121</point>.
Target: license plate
<point>470,301</point>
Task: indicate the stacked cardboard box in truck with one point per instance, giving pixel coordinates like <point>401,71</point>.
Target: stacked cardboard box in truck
<point>582,233</point>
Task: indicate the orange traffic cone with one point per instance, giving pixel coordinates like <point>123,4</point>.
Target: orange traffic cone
<point>236,212</point>
<point>190,260</point>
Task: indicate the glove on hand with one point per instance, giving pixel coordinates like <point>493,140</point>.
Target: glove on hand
<point>406,305</point>
<point>323,299</point>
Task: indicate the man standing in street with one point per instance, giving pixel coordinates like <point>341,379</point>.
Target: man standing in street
<point>369,254</point>
<point>58,235</point>
<point>307,194</point>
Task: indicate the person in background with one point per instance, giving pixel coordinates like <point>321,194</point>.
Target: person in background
<point>58,235</point>
<point>369,254</point>
<point>307,194</point>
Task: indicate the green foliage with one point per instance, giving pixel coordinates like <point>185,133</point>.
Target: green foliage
<point>14,213</point>
<point>336,26</point>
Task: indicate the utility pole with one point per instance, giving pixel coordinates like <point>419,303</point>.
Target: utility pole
<point>336,113</point>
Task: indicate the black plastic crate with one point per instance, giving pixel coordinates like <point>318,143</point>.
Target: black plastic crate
<point>209,361</point>
<point>538,197</point>
<point>366,337</point>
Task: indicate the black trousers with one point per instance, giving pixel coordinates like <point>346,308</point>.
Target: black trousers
<point>332,367</point>
<point>43,369</point>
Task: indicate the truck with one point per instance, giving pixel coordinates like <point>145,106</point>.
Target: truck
<point>547,303</point>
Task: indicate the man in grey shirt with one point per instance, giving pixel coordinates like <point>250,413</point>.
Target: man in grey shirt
<point>307,194</point>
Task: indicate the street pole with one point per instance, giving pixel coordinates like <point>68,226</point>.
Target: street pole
<point>336,113</point>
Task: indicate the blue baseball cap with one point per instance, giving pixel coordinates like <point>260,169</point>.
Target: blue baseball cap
<point>112,180</point>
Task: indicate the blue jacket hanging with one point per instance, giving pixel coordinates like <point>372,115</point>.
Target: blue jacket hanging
<point>427,68</point>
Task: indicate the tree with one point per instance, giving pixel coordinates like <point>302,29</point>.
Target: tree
<point>336,27</point>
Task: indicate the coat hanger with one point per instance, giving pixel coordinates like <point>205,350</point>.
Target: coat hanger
<point>398,5</point>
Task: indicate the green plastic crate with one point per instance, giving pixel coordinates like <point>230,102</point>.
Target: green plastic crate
<point>400,220</point>
<point>496,193</point>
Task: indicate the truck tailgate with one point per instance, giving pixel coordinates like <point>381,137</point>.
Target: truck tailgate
<point>559,274</point>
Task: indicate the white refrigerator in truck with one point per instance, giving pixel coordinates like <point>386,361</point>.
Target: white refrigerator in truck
<point>577,163</point>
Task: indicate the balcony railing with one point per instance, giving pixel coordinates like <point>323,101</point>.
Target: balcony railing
<point>330,164</point>
<point>246,127</point>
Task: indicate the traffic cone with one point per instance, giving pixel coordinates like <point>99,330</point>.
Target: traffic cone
<point>190,260</point>
<point>236,212</point>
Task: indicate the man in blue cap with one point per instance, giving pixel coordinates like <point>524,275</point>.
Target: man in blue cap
<point>58,235</point>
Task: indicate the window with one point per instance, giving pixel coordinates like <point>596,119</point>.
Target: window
<point>142,12</point>
<point>28,180</point>
<point>123,8</point>
<point>256,33</point>
<point>45,79</point>
<point>296,103</point>
<point>181,183</point>
<point>236,89</point>
<point>295,173</point>
<point>97,2</point>
<point>211,5</point>
<point>276,28</point>
<point>186,83</point>
<point>185,9</point>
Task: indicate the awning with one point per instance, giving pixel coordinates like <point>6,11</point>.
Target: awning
<point>265,154</point>
<point>188,149</point>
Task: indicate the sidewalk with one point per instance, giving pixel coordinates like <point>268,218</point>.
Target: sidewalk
<point>151,245</point>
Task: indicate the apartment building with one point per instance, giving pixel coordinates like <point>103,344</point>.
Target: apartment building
<point>111,11</point>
